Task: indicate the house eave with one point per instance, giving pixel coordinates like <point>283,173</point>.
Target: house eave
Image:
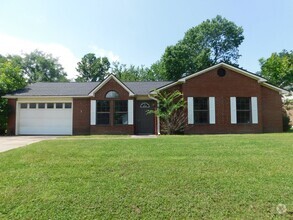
<point>243,72</point>
<point>281,91</point>
<point>153,92</point>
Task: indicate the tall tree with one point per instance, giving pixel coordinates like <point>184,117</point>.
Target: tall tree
<point>278,69</point>
<point>124,73</point>
<point>179,61</point>
<point>131,73</point>
<point>41,67</point>
<point>138,73</point>
<point>218,36</point>
<point>92,69</point>
<point>10,79</point>
<point>157,72</point>
<point>210,42</point>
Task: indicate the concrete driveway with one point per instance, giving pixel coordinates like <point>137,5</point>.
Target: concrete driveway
<point>11,142</point>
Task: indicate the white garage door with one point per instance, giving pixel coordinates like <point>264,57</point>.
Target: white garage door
<point>45,118</point>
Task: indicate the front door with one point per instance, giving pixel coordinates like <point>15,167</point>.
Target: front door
<point>144,123</point>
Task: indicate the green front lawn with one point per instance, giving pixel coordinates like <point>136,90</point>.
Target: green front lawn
<point>170,177</point>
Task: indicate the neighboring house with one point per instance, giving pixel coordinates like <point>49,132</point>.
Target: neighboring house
<point>220,99</point>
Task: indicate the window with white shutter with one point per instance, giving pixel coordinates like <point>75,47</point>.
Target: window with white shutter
<point>244,110</point>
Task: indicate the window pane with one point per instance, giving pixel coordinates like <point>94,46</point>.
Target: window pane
<point>50,105</point>
<point>33,105</point>
<point>103,106</point>
<point>120,118</point>
<point>243,116</point>
<point>103,118</point>
<point>112,94</point>
<point>243,103</point>
<point>59,105</point>
<point>201,103</point>
<point>201,110</point>
<point>67,105</point>
<point>23,105</point>
<point>243,109</point>
<point>41,105</point>
<point>121,106</point>
<point>103,112</point>
<point>201,117</point>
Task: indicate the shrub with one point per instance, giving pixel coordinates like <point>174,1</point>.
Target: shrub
<point>171,112</point>
<point>286,122</point>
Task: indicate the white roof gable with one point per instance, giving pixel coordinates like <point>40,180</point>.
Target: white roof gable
<point>259,79</point>
<point>108,78</point>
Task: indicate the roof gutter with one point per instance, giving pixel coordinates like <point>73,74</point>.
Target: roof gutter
<point>178,82</point>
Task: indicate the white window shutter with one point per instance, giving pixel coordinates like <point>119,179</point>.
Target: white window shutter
<point>190,112</point>
<point>130,112</point>
<point>93,112</point>
<point>233,110</point>
<point>254,110</point>
<point>212,111</point>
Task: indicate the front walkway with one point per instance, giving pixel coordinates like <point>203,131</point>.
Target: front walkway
<point>144,136</point>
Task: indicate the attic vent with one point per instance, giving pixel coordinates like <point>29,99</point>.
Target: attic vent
<point>221,72</point>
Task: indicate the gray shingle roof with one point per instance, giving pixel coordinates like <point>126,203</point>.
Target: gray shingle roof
<point>80,89</point>
<point>144,88</point>
<point>56,89</point>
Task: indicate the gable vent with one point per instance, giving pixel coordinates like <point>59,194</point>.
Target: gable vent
<point>221,72</point>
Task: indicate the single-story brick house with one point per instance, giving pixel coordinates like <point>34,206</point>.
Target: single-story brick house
<point>220,99</point>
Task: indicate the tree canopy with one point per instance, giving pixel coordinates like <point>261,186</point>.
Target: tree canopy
<point>92,69</point>
<point>10,79</point>
<point>38,66</point>
<point>133,73</point>
<point>16,71</point>
<point>209,43</point>
<point>278,69</point>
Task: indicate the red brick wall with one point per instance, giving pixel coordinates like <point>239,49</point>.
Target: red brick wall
<point>81,116</point>
<point>222,88</point>
<point>111,129</point>
<point>111,85</point>
<point>11,117</point>
<point>272,111</point>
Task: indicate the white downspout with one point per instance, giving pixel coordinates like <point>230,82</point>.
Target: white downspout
<point>158,118</point>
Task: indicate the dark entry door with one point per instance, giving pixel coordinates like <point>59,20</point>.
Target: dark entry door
<point>144,123</point>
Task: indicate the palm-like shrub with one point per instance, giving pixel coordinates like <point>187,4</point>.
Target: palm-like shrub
<point>171,111</point>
